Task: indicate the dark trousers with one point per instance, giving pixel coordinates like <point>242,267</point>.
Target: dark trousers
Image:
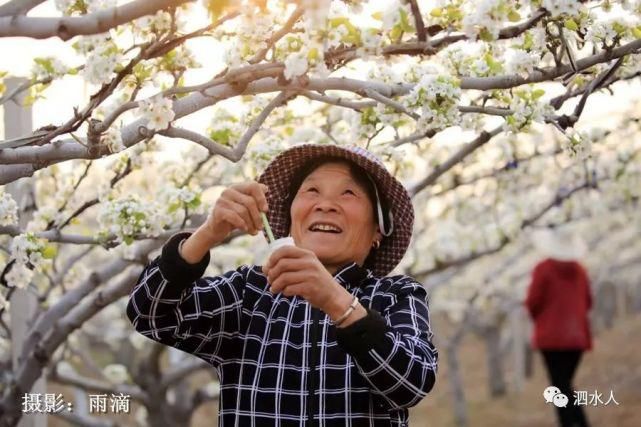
<point>561,366</point>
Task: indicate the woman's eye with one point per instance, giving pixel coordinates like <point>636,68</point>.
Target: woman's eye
<point>349,192</point>
<point>312,189</point>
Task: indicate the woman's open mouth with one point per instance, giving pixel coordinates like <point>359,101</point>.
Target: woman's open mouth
<point>324,227</point>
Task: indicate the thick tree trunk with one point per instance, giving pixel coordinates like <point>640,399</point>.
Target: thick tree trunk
<point>456,384</point>
<point>496,379</point>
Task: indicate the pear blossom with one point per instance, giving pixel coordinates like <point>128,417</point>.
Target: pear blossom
<point>437,97</point>
<point>113,139</point>
<point>19,276</point>
<point>158,112</point>
<point>48,68</point>
<point>296,65</point>
<point>562,7</point>
<point>8,209</point>
<point>518,61</point>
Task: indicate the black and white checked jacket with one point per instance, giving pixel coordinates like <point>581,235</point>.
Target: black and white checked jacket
<point>269,350</point>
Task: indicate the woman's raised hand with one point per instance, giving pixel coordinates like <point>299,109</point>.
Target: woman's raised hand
<point>237,208</point>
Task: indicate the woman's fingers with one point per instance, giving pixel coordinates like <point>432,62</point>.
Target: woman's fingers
<point>251,206</point>
<point>286,280</point>
<point>256,191</point>
<point>232,218</point>
<point>292,290</point>
<point>242,205</point>
<point>282,264</point>
<point>238,207</point>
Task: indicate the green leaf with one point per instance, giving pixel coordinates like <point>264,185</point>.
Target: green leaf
<point>537,93</point>
<point>528,41</point>
<point>395,33</point>
<point>45,63</point>
<point>571,25</point>
<point>368,116</point>
<point>619,28</point>
<point>49,252</point>
<point>405,23</point>
<point>437,12</point>
<point>194,203</point>
<point>636,32</point>
<point>222,136</point>
<point>513,16</point>
<point>485,35</point>
<point>217,7</point>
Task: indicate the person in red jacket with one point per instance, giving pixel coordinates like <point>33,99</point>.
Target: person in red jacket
<point>558,301</point>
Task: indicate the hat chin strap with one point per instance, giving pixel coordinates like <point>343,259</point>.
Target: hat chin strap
<point>381,223</point>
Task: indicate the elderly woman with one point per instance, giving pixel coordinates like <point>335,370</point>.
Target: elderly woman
<point>320,334</point>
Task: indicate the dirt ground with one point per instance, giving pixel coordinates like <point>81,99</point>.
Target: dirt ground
<point>614,364</point>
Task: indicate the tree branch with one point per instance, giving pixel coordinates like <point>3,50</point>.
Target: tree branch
<point>180,372</point>
<point>131,134</point>
<point>418,20</point>
<point>91,384</point>
<point>467,149</point>
<point>93,23</point>
<point>212,146</point>
<point>18,7</point>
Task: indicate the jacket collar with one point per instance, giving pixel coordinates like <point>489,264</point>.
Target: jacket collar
<point>352,275</point>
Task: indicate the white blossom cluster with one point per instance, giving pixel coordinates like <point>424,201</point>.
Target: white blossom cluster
<point>473,59</point>
<point>27,248</point>
<point>96,5</point>
<point>113,140</point>
<point>302,53</point>
<point>260,154</point>
<point>521,62</point>
<point>225,128</point>
<point>181,58</point>
<point>607,31</point>
<point>174,201</point>
<point>317,11</point>
<point>158,111</point>
<point>67,7</point>
<point>148,27</point>
<point>394,13</point>
<point>527,107</point>
<point>43,216</point>
<point>102,57</point>
<point>8,209</point>
<point>251,31</point>
<point>129,216</point>
<point>579,143</point>
<point>437,98</point>
<point>562,7</point>
<point>296,64</point>
<point>631,5</point>
<point>48,68</point>
<point>484,18</point>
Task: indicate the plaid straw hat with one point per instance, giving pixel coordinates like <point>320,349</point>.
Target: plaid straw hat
<point>280,172</point>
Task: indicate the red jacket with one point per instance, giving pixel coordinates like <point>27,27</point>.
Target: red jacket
<point>558,300</point>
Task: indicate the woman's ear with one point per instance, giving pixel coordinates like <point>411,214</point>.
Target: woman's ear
<point>378,236</point>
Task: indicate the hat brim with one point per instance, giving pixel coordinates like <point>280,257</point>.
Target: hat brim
<point>279,174</point>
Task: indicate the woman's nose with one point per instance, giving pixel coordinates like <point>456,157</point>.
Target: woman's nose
<point>326,204</point>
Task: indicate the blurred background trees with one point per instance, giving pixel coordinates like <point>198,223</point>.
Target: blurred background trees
<point>502,117</point>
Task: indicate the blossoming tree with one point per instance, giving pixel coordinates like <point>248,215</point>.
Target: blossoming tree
<point>476,104</point>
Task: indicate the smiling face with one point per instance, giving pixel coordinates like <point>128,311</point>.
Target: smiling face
<point>333,216</point>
